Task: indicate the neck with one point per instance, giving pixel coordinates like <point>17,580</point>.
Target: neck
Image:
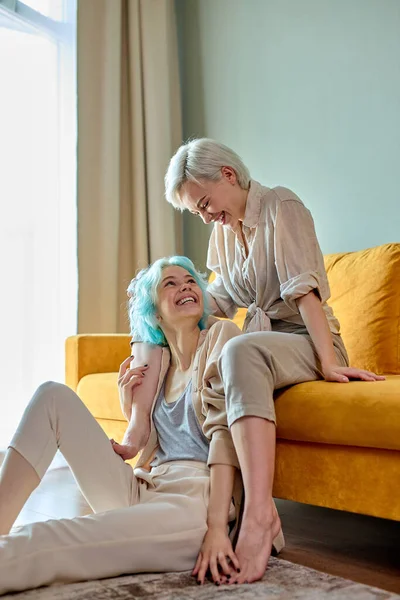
<point>182,343</point>
<point>244,196</point>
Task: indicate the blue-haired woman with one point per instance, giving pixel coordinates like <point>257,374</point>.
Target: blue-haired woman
<point>172,512</point>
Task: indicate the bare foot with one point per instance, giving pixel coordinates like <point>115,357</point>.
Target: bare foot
<point>253,549</point>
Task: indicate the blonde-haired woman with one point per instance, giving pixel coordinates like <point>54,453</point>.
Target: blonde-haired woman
<point>266,258</point>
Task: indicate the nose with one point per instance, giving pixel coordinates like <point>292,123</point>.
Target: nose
<point>185,286</point>
<point>206,217</point>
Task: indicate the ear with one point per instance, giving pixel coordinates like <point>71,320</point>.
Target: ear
<point>229,174</point>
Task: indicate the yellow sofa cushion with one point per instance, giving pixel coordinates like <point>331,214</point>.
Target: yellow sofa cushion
<point>358,413</point>
<point>99,392</point>
<point>365,297</point>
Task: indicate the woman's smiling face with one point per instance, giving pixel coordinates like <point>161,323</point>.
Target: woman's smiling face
<point>222,201</point>
<point>178,297</point>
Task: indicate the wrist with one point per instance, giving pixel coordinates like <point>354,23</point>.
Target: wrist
<point>329,365</point>
<point>217,523</point>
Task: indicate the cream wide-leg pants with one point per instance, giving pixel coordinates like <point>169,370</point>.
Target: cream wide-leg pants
<point>144,522</point>
<point>254,365</point>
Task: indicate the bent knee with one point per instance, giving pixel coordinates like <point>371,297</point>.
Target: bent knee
<point>53,391</point>
<point>239,350</point>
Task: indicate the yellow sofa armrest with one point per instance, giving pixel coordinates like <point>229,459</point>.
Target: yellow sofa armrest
<point>87,353</point>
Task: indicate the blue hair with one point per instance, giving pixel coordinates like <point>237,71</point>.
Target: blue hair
<point>142,303</point>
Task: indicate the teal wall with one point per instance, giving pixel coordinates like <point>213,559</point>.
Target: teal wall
<point>308,93</point>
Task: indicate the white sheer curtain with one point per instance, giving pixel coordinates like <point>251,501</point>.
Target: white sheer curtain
<point>38,275</point>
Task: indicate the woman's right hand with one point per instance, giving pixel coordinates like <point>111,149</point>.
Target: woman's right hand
<point>217,556</point>
<point>128,380</point>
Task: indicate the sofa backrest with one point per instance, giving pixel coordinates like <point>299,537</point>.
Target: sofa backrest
<point>365,297</point>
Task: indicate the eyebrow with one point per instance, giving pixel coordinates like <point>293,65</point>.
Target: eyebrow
<point>173,277</point>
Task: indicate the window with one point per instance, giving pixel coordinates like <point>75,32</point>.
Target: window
<point>38,273</point>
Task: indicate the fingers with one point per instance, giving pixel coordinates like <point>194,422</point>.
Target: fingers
<point>125,366</point>
<point>202,570</point>
<point>214,569</point>
<point>338,377</point>
<point>226,568</point>
<point>214,564</point>
<point>132,376</point>
<point>344,375</point>
<point>234,560</point>
<point>363,375</point>
<point>372,376</point>
<point>197,565</point>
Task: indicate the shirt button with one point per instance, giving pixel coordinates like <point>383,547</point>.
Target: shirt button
<point>195,389</point>
<point>195,368</point>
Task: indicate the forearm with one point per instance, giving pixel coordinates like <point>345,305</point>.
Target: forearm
<point>138,430</point>
<point>315,320</point>
<point>221,490</point>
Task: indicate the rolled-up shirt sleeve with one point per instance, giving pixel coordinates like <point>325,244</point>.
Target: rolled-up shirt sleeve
<point>216,288</point>
<point>298,257</point>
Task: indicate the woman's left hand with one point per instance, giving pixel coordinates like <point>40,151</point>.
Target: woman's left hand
<point>215,554</point>
<point>344,374</point>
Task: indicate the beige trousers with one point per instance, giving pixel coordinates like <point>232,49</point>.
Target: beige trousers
<point>253,365</point>
<point>144,522</point>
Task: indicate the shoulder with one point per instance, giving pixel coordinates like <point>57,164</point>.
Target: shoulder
<point>290,208</point>
<point>284,194</point>
<point>274,201</point>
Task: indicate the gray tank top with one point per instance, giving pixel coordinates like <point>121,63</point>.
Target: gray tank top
<point>180,436</point>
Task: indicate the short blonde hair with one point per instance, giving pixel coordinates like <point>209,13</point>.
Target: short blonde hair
<point>201,158</point>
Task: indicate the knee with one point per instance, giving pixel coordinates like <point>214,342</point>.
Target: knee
<point>50,391</point>
<point>238,352</point>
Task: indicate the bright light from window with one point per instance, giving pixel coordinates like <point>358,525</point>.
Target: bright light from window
<point>37,216</point>
<point>50,8</point>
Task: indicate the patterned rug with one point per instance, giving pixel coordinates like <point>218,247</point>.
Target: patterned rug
<point>283,581</point>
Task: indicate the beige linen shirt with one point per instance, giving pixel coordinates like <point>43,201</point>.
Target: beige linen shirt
<point>283,263</point>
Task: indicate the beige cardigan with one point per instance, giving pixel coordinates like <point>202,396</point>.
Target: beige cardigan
<point>208,396</point>
<point>208,402</point>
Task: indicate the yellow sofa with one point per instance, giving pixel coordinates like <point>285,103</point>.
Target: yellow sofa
<point>338,445</point>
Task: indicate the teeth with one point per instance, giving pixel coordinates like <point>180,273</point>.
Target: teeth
<point>185,300</point>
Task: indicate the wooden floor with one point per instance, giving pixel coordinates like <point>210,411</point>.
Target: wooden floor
<point>363,549</point>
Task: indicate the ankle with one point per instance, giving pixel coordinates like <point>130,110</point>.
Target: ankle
<point>263,513</point>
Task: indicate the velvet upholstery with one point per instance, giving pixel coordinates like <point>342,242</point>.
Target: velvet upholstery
<point>338,445</point>
<point>359,480</point>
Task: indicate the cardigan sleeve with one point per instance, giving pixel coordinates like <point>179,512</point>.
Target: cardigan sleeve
<point>215,425</point>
